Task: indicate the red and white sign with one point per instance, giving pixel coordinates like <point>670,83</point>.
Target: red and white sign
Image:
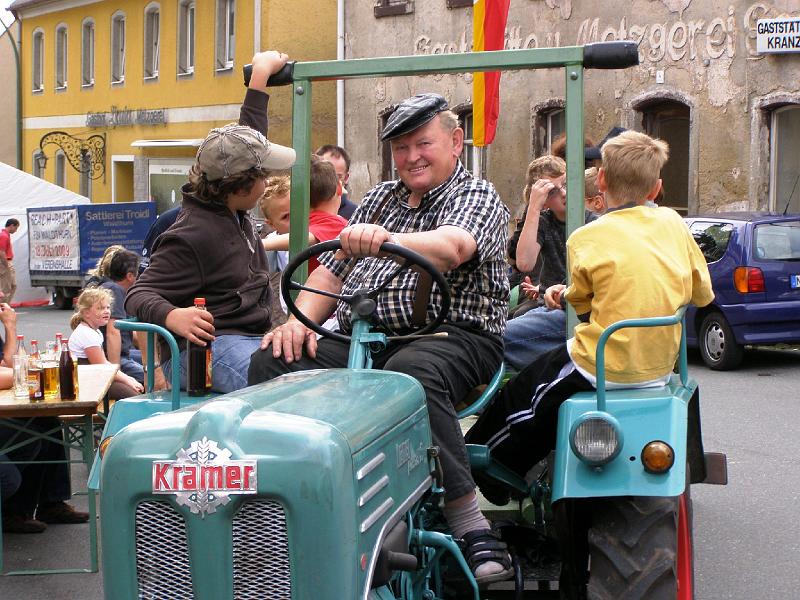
<point>204,476</point>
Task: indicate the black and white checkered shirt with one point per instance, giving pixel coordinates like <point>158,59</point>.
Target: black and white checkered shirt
<point>479,287</point>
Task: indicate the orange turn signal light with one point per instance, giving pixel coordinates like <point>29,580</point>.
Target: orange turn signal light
<point>658,457</point>
<point>748,280</point>
<point>104,444</point>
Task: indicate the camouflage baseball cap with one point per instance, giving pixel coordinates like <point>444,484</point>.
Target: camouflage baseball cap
<point>234,149</point>
<point>412,113</point>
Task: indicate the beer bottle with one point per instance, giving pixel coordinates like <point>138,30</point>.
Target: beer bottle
<point>35,374</point>
<point>67,374</point>
<point>198,361</point>
<point>59,343</point>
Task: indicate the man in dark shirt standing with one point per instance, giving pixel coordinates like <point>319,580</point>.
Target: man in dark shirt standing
<point>458,223</point>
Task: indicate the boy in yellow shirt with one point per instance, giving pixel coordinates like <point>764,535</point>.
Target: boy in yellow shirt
<point>637,260</point>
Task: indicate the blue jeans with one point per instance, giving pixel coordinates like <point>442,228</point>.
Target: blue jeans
<point>229,363</point>
<point>132,365</point>
<point>532,334</point>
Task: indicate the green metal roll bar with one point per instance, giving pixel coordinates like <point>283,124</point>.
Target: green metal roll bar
<point>573,59</point>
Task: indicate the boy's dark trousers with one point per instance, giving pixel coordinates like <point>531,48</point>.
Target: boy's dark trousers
<point>520,424</point>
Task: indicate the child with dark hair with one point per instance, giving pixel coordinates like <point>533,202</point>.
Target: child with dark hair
<point>212,250</point>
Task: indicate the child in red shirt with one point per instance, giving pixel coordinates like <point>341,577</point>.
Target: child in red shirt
<point>324,223</point>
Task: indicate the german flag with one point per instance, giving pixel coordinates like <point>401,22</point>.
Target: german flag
<point>488,33</point>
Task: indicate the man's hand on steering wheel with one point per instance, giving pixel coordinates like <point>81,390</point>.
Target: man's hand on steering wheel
<point>364,239</point>
<point>290,339</point>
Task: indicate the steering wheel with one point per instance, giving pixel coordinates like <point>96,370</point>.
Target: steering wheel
<point>362,302</point>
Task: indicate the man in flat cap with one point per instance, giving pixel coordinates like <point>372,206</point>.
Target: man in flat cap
<point>212,249</point>
<point>457,222</point>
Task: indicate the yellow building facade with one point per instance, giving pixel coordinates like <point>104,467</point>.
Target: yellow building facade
<point>117,95</point>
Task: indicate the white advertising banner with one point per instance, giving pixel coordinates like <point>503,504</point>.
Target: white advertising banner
<point>54,243</point>
<point>778,36</point>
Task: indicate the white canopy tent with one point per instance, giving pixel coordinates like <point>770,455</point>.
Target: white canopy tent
<point>18,191</point>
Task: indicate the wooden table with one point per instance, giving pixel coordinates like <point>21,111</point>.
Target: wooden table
<point>16,413</point>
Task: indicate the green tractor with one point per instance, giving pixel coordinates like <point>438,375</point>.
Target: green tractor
<point>325,483</point>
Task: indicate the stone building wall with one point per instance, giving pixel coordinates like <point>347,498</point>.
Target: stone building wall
<point>698,54</point>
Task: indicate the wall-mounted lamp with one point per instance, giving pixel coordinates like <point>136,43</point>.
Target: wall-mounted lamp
<point>85,156</point>
<point>41,162</point>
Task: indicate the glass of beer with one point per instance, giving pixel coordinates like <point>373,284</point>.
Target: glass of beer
<point>51,381</point>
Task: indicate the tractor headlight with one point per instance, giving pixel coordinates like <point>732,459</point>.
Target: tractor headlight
<point>596,438</point>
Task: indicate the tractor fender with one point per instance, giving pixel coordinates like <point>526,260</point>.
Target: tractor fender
<point>644,415</point>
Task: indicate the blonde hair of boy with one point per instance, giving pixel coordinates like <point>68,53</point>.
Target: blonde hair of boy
<point>632,163</point>
<point>88,298</point>
<point>544,166</point>
<point>590,189</point>
<point>276,187</point>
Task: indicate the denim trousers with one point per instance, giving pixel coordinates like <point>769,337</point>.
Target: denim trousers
<point>230,359</point>
<point>533,334</point>
<point>132,365</point>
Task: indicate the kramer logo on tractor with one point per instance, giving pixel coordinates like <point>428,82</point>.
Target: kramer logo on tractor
<point>204,477</point>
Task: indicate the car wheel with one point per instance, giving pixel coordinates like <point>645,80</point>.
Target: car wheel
<point>718,346</point>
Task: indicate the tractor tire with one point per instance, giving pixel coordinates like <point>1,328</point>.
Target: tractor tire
<point>718,346</point>
<point>641,549</point>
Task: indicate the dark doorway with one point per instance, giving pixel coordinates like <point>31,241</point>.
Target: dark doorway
<point>669,120</point>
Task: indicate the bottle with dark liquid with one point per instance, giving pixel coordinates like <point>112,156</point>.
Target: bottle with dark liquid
<point>67,374</point>
<point>198,377</point>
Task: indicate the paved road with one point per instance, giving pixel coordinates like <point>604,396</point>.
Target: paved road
<point>747,534</point>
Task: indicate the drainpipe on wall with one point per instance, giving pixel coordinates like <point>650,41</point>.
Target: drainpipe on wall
<point>340,82</point>
<point>11,39</point>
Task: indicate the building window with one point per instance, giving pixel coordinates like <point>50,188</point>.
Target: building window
<point>390,8</point>
<point>459,3</point>
<point>186,37</point>
<point>118,48</point>
<point>86,176</point>
<point>37,169</point>
<point>226,13</point>
<point>785,159</point>
<point>38,60</point>
<point>471,157</point>
<point>549,123</point>
<point>388,169</point>
<point>61,57</point>
<point>669,120</point>
<point>151,47</point>
<point>87,53</point>
<point>61,169</point>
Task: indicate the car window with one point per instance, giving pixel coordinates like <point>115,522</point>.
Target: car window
<point>712,237</point>
<point>777,241</point>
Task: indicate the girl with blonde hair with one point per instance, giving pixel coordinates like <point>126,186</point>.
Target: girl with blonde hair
<point>92,311</point>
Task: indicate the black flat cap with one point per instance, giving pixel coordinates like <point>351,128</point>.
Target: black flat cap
<point>594,153</point>
<point>413,113</point>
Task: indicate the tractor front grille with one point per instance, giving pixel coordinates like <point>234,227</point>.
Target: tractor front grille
<point>162,553</point>
<point>261,552</point>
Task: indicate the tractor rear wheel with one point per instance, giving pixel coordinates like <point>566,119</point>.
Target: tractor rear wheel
<point>641,549</point>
